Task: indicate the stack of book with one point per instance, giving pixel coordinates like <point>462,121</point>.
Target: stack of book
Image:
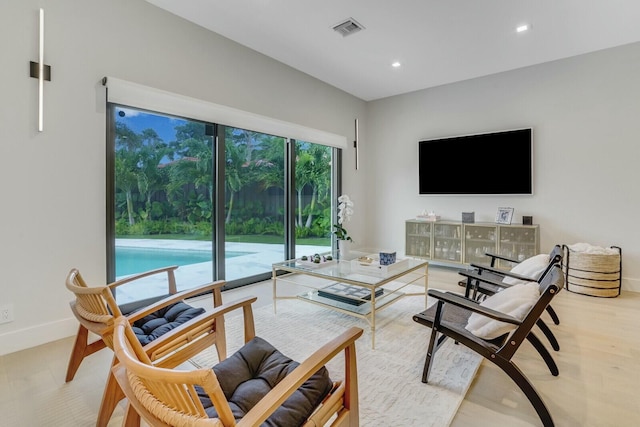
<point>353,295</point>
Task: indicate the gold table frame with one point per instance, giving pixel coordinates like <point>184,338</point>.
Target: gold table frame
<point>393,282</point>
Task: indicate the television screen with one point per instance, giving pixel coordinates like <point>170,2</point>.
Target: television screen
<point>486,163</point>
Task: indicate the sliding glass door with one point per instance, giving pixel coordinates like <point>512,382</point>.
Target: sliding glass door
<point>254,221</point>
<point>161,201</point>
<point>313,196</point>
<point>220,202</point>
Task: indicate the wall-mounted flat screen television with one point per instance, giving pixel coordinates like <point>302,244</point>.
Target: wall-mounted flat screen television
<point>499,163</point>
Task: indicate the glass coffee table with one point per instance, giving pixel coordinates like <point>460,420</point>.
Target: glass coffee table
<point>358,286</point>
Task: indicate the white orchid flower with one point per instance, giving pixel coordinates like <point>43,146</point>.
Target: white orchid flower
<point>345,211</point>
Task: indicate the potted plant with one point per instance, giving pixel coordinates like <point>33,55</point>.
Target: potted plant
<point>345,210</point>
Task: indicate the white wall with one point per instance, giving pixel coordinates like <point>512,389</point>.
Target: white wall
<point>53,183</point>
<point>585,115</point>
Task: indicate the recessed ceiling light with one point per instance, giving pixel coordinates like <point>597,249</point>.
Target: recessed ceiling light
<point>522,28</point>
<point>396,64</point>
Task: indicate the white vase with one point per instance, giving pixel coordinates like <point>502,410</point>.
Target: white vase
<point>344,247</point>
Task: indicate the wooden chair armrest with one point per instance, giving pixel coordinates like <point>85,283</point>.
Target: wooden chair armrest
<point>473,306</point>
<point>170,270</point>
<point>209,287</point>
<point>272,400</point>
<point>176,341</point>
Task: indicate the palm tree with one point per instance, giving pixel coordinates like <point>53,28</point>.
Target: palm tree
<point>313,169</point>
<point>252,158</point>
<point>192,167</point>
<point>150,175</point>
<point>319,174</point>
<point>127,144</point>
<point>235,178</point>
<point>304,177</point>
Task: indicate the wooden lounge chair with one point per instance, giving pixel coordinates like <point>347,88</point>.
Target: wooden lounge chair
<point>95,308</point>
<point>241,390</point>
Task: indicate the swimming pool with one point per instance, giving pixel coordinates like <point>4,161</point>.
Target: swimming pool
<point>137,260</point>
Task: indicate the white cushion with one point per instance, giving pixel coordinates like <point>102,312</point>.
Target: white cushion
<point>530,267</point>
<point>516,301</point>
<point>591,249</point>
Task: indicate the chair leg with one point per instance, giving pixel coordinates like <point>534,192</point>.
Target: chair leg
<point>81,349</point>
<point>131,417</point>
<point>547,332</point>
<point>430,351</point>
<point>553,315</point>
<point>546,356</point>
<point>110,398</point>
<point>529,391</point>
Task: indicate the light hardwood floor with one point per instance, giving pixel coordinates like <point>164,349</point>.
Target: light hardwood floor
<point>598,385</point>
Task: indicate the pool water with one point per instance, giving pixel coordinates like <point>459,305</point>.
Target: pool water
<point>138,260</point>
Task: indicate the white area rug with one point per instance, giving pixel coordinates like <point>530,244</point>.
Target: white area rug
<point>390,390</point>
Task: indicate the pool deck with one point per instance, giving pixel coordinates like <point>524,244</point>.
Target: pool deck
<point>259,260</point>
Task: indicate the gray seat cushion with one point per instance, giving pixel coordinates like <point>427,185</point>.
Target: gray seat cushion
<point>162,321</point>
<point>253,371</point>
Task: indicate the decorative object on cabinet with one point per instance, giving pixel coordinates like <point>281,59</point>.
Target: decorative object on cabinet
<point>593,270</point>
<point>504,215</point>
<point>429,216</point>
<point>469,217</point>
<point>527,220</point>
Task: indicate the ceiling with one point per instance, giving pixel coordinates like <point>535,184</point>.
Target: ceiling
<point>436,41</point>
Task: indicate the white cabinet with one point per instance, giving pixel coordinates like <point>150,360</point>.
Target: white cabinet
<point>447,245</point>
<point>418,239</point>
<point>453,242</point>
<point>479,239</point>
<point>517,242</point>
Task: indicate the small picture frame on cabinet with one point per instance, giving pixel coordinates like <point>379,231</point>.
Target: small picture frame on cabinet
<point>504,216</point>
<point>468,217</point>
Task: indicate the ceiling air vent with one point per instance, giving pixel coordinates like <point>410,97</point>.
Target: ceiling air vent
<point>348,27</point>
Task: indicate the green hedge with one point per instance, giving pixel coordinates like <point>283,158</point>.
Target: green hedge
<point>253,226</point>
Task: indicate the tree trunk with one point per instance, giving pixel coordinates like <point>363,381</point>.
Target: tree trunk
<point>228,218</point>
<point>299,220</point>
<point>130,208</point>
<point>312,206</point>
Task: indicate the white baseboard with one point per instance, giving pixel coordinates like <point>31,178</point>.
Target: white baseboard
<point>629,284</point>
<point>37,335</point>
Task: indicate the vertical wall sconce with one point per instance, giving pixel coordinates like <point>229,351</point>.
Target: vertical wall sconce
<point>355,145</point>
<point>41,72</point>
